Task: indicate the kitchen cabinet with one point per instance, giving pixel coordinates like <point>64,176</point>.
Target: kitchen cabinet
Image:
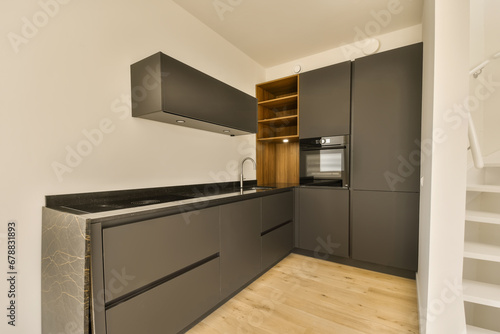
<point>385,151</point>
<point>167,90</point>
<point>278,131</point>
<point>157,270</point>
<point>385,228</point>
<point>277,227</point>
<point>325,101</point>
<point>240,251</point>
<point>324,221</point>
<point>386,120</point>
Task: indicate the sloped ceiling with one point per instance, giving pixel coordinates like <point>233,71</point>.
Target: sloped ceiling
<point>273,32</point>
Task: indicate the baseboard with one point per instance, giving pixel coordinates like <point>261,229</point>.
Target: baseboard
<point>421,309</point>
<point>359,264</point>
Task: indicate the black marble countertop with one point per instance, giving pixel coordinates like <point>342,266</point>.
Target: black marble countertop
<point>101,206</point>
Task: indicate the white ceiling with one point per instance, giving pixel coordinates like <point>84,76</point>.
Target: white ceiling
<point>273,32</point>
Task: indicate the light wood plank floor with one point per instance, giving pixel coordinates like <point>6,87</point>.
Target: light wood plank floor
<point>304,295</point>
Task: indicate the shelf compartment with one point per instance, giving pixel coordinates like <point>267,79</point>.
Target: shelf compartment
<point>278,88</point>
<point>280,127</point>
<point>266,113</point>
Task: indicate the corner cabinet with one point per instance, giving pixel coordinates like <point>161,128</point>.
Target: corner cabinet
<point>278,131</point>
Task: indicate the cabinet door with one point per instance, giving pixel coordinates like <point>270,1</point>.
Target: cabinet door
<point>276,209</point>
<point>240,253</point>
<point>324,221</point>
<point>385,228</point>
<point>325,101</point>
<point>386,112</point>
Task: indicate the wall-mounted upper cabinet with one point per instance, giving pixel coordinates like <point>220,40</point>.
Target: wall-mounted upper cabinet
<point>325,101</point>
<point>167,90</point>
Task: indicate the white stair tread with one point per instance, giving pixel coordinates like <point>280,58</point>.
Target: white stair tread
<point>487,188</point>
<point>477,330</point>
<point>482,216</point>
<point>481,293</point>
<point>491,164</point>
<point>481,251</point>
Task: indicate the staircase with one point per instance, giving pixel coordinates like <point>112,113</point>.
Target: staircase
<point>481,282</point>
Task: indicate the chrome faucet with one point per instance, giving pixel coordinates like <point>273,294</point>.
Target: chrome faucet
<point>241,175</point>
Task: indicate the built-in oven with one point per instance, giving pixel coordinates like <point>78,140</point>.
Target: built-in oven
<point>324,161</point>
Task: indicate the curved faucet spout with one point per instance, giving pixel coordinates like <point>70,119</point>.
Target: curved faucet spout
<point>241,175</point>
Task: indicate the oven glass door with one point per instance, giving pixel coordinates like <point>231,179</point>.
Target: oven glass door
<point>323,166</point>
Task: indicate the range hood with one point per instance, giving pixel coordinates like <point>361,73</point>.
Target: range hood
<point>167,90</point>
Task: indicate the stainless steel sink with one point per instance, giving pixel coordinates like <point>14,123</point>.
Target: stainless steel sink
<point>261,188</point>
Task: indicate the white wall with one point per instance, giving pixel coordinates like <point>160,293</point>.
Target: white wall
<point>349,51</point>
<point>70,75</point>
<point>446,64</point>
<point>492,74</point>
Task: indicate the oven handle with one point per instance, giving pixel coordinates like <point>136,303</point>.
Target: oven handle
<point>312,148</point>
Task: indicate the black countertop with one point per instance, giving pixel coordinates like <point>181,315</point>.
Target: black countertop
<point>101,206</point>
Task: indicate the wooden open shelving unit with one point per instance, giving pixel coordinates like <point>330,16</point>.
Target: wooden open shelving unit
<point>278,120</point>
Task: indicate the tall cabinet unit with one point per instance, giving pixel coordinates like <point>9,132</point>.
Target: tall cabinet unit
<point>278,131</point>
<point>385,151</point>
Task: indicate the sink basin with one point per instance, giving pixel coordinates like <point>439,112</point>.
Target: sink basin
<point>261,188</point>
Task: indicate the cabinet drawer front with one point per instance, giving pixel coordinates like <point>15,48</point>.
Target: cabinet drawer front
<point>170,307</point>
<point>276,210</point>
<point>140,253</point>
<point>276,245</point>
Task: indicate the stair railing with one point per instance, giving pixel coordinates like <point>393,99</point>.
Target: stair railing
<point>474,147</point>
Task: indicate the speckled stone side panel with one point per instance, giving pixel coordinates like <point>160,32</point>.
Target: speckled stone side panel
<point>65,273</point>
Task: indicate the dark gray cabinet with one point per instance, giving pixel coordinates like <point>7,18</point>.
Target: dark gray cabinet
<point>386,118</point>
<point>167,90</point>
<point>170,243</point>
<point>325,101</point>
<point>385,228</point>
<point>385,151</point>
<point>277,227</point>
<point>324,221</point>
<point>170,307</point>
<point>276,209</point>
<point>240,251</point>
